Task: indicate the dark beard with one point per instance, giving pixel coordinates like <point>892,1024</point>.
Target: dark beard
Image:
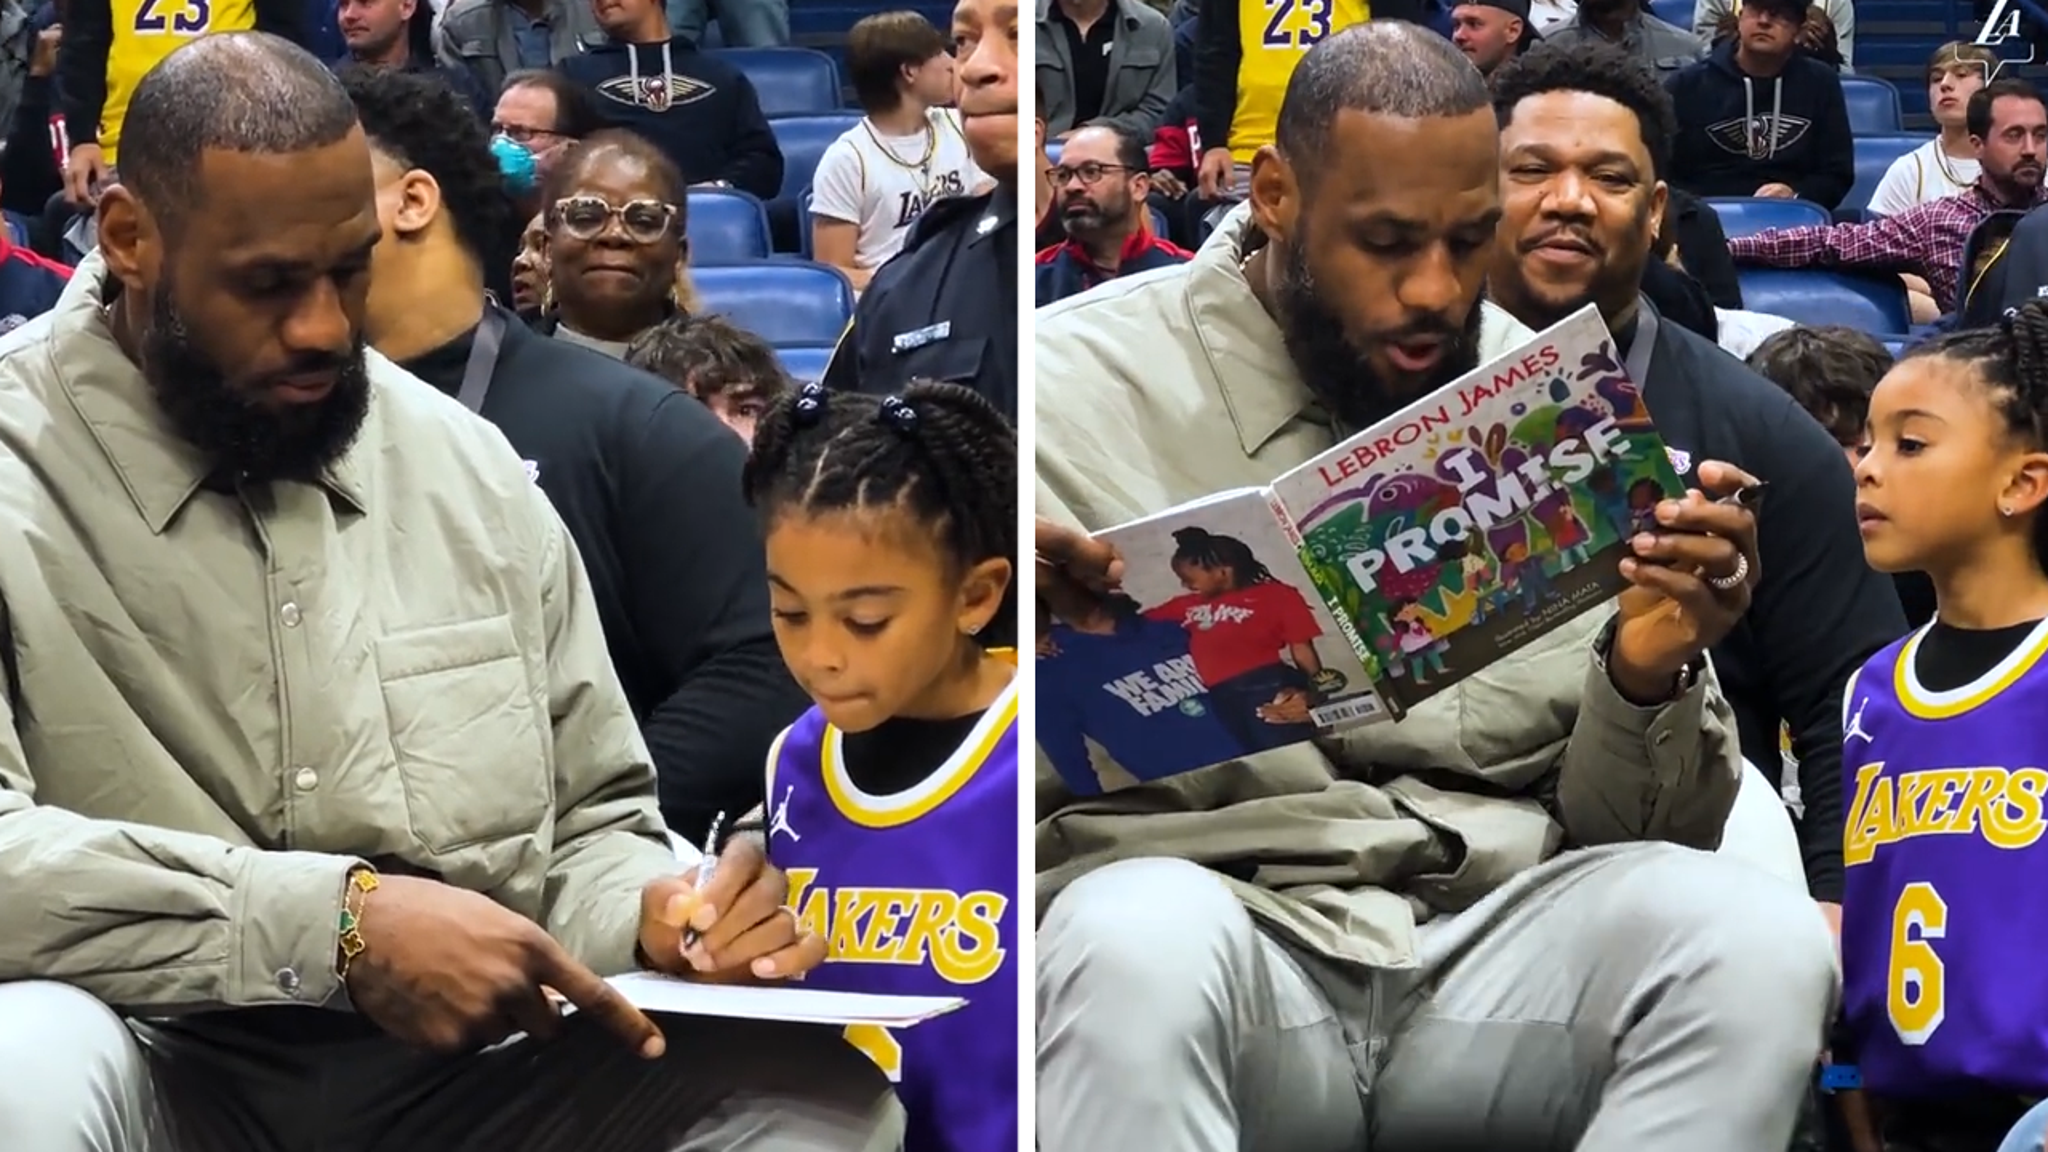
<point>1332,364</point>
<point>239,437</point>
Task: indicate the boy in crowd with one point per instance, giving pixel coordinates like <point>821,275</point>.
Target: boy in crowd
<point>731,370</point>
<point>907,152</point>
<point>1831,372</point>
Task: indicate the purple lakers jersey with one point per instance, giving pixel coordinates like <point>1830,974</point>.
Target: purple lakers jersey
<point>916,894</point>
<point>1942,932</point>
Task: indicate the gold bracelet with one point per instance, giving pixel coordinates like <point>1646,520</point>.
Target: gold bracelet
<point>361,882</point>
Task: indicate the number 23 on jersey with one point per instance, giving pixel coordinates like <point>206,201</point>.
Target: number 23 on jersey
<point>1297,24</point>
<point>178,17</point>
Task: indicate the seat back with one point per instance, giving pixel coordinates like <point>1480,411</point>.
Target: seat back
<point>1873,106</point>
<point>803,140</point>
<point>805,364</point>
<point>1677,12</point>
<point>1874,157</point>
<point>1876,305</point>
<point>726,226</point>
<point>789,81</point>
<point>1748,215</point>
<point>790,302</point>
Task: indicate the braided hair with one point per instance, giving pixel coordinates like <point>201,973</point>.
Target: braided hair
<point>1204,549</point>
<point>939,452</point>
<point>2011,357</point>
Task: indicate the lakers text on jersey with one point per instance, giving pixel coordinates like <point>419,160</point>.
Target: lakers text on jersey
<point>1942,932</point>
<point>915,894</point>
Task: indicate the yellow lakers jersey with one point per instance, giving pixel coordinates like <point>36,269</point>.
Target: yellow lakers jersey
<point>1275,35</point>
<point>146,31</point>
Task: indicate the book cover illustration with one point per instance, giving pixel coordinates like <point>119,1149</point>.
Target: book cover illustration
<point>1216,647</point>
<point>1484,515</point>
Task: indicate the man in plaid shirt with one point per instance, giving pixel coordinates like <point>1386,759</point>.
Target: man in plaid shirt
<point>2010,124</point>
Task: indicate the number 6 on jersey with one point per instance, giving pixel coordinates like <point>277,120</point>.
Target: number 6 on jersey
<point>1913,987</point>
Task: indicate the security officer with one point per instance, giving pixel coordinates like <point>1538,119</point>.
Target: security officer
<point>945,308</point>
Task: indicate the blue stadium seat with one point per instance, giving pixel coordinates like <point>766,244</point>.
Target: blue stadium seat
<point>803,140</point>
<point>1052,150</point>
<point>1873,304</point>
<point>790,81</point>
<point>1748,215</point>
<point>727,226</point>
<point>1874,155</point>
<point>1873,106</point>
<point>1677,12</point>
<point>1895,345</point>
<point>781,301</point>
<point>806,364</point>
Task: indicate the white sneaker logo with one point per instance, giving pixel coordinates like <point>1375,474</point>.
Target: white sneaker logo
<point>779,823</point>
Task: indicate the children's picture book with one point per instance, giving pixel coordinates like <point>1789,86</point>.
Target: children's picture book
<point>1369,579</point>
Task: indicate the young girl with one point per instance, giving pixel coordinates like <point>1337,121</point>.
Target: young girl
<point>1944,746</point>
<point>891,532</point>
<point>1240,619</point>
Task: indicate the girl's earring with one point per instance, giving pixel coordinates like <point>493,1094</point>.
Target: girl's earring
<point>547,297</point>
<point>2004,511</point>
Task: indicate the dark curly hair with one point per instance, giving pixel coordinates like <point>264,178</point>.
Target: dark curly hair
<point>2011,358</point>
<point>1597,69</point>
<point>1830,371</point>
<point>940,453</point>
<point>419,121</point>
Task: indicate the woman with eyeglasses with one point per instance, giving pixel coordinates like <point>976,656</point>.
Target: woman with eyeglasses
<point>614,212</point>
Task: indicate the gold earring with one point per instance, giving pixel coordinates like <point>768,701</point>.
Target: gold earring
<point>547,296</point>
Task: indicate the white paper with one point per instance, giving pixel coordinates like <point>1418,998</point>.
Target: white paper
<point>652,992</point>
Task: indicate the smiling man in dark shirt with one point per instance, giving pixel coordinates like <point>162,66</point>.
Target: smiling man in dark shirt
<point>645,477</point>
<point>1585,134</point>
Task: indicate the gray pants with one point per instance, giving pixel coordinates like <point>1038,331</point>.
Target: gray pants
<point>75,1077</point>
<point>1613,1000</point>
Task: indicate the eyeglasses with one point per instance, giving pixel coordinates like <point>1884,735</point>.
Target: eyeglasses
<point>643,221</point>
<point>1088,174</point>
<point>521,133</point>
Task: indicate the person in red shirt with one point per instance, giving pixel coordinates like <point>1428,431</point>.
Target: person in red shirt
<point>1252,638</point>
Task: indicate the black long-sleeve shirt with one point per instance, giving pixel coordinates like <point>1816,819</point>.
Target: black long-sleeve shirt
<point>648,482</point>
<point>83,60</point>
<point>1818,611</point>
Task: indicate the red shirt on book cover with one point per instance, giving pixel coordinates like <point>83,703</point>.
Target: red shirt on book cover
<point>1241,630</point>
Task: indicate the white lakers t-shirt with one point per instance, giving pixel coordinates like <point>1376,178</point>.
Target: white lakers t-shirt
<point>884,183</point>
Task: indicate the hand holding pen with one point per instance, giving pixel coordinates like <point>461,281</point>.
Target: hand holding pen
<point>726,919</point>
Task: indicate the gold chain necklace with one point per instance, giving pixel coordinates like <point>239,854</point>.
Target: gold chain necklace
<point>923,164</point>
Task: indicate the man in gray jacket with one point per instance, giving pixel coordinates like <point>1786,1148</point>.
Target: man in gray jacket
<point>1103,60</point>
<point>1486,926</point>
<point>491,39</point>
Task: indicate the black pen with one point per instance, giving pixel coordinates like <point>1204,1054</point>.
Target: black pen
<point>707,868</point>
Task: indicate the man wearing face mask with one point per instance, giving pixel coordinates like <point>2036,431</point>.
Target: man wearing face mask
<point>945,307</point>
<point>1358,919</point>
<point>645,477</point>
<point>1584,137</point>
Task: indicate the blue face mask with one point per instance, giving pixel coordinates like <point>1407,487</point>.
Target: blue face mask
<point>515,163</point>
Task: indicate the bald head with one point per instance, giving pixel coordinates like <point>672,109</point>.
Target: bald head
<point>1384,67</point>
<point>247,92</point>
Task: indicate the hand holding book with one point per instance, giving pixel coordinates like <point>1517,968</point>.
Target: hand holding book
<point>1690,574</point>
